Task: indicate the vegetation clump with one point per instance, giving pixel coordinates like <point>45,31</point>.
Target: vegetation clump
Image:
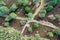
<point>30,30</point>
<point>13,7</point>
<point>23,2</point>
<point>50,34</point>
<point>11,16</point>
<point>2,3</point>
<point>36,25</point>
<point>42,14</point>
<point>4,10</point>
<point>30,15</point>
<point>9,34</point>
<point>49,8</point>
<point>27,9</point>
<point>57,32</point>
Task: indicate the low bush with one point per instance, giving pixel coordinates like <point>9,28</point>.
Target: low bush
<point>9,34</point>
<point>30,30</point>
<point>27,9</point>
<point>13,7</point>
<point>49,8</point>
<point>36,25</point>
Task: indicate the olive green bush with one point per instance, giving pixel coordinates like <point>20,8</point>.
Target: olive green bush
<point>35,1</point>
<point>9,34</point>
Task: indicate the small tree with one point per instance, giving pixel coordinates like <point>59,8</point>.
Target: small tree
<point>30,30</point>
<point>50,34</point>
<point>27,9</point>
<point>30,15</point>
<point>53,2</point>
<point>36,25</point>
<point>13,7</point>
<point>3,10</point>
<point>57,32</point>
<point>42,14</point>
<point>49,7</point>
<point>9,34</point>
<point>2,3</point>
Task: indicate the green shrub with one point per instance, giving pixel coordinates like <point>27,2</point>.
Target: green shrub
<point>8,18</point>
<point>2,3</point>
<point>27,9</point>
<point>50,34</point>
<point>19,2</point>
<point>9,34</point>
<point>13,15</point>
<point>42,13</point>
<point>37,36</point>
<point>3,10</point>
<point>36,25</point>
<point>57,32</point>
<point>35,1</point>
<point>25,2</point>
<point>30,15</point>
<point>13,7</point>
<point>49,7</point>
<point>6,24</point>
<point>30,30</point>
<point>53,2</point>
<point>53,18</point>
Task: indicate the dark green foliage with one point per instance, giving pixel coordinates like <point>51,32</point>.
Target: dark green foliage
<point>53,2</point>
<point>13,7</point>
<point>57,32</point>
<point>49,7</point>
<point>47,0</point>
<point>35,1</point>
<point>27,9</point>
<point>30,30</point>
<point>2,3</point>
<point>9,34</point>
<point>37,36</point>
<point>36,25</point>
<point>6,24</point>
<point>42,14</point>
<point>30,15</point>
<point>3,10</point>
<point>50,34</point>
